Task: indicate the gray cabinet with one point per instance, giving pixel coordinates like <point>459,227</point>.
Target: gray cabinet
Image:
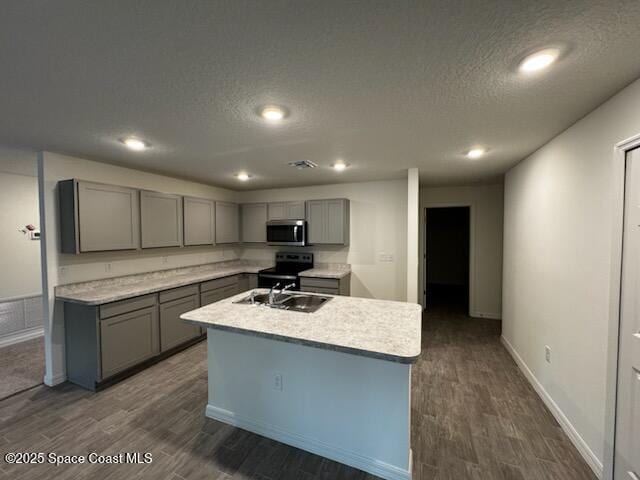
<point>96,217</point>
<point>199,221</point>
<point>128,339</point>
<point>227,223</point>
<point>173,330</point>
<point>161,219</point>
<point>218,289</point>
<point>331,286</point>
<point>328,221</point>
<point>254,222</point>
<point>247,281</point>
<point>286,211</point>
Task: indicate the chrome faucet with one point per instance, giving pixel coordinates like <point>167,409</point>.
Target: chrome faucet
<point>272,292</point>
<point>287,287</point>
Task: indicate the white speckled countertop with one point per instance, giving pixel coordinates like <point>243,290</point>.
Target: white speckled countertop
<point>108,290</point>
<point>328,270</point>
<point>361,326</point>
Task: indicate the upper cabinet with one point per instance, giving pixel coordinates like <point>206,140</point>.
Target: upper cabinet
<point>199,221</point>
<point>328,221</point>
<point>96,217</point>
<point>254,222</point>
<point>227,223</point>
<point>286,211</point>
<point>161,219</point>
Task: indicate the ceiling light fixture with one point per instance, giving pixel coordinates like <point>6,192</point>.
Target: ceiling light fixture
<point>476,152</point>
<point>136,144</point>
<point>243,176</point>
<point>339,166</point>
<point>273,113</point>
<point>539,60</point>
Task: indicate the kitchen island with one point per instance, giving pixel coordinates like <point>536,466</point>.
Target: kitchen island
<point>335,382</point>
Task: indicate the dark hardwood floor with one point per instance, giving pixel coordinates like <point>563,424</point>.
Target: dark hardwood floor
<point>474,417</point>
<point>21,366</point>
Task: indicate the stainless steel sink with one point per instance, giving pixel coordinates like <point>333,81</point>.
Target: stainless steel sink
<point>294,302</point>
<point>306,303</point>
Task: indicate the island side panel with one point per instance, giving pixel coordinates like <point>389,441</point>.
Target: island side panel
<point>352,409</point>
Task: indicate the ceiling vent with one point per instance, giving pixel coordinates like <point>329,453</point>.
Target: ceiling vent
<point>300,164</point>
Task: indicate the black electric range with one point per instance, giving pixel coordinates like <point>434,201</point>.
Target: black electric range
<point>288,266</point>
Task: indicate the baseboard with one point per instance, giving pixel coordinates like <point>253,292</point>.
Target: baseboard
<point>21,336</point>
<point>53,380</point>
<point>491,316</point>
<point>592,460</point>
<point>367,464</point>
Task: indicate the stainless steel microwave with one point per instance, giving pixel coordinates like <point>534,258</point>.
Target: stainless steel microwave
<point>287,232</point>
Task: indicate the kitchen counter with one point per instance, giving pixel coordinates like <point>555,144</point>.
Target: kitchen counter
<point>108,290</point>
<point>336,382</point>
<point>328,270</point>
<point>373,328</point>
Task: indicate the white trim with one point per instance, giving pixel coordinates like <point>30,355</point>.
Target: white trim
<point>489,315</point>
<point>20,297</point>
<point>617,211</point>
<point>472,248</point>
<point>21,336</point>
<point>52,381</point>
<point>592,460</point>
<point>367,464</point>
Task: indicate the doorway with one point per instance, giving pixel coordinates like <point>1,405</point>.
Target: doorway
<point>447,240</point>
<point>627,424</point>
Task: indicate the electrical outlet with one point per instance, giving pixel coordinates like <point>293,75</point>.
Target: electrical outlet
<point>165,260</point>
<point>277,381</point>
<point>547,353</point>
<point>107,267</point>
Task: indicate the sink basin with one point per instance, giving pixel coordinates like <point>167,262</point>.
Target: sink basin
<point>293,302</point>
<point>263,299</point>
<point>305,303</point>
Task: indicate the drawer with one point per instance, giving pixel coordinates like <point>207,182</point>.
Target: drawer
<point>216,295</point>
<point>328,291</point>
<point>219,283</point>
<point>129,305</point>
<point>180,292</point>
<point>320,282</point>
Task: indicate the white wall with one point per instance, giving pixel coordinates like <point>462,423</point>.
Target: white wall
<point>62,269</point>
<point>20,279</point>
<point>413,225</point>
<point>558,260</point>
<point>378,227</point>
<point>19,256</point>
<point>486,202</point>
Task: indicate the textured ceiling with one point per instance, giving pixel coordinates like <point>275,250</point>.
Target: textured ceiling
<point>385,85</point>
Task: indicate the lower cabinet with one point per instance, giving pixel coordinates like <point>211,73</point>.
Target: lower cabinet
<point>105,343</point>
<point>128,339</point>
<point>173,330</point>
<point>330,286</point>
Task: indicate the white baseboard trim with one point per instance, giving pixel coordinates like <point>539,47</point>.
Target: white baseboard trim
<point>592,460</point>
<point>53,380</point>
<point>21,336</point>
<point>492,316</point>
<point>367,464</point>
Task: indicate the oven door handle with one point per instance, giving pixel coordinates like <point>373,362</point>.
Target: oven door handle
<point>277,277</point>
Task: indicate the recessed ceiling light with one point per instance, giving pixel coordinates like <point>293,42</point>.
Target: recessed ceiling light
<point>273,113</point>
<point>243,176</point>
<point>136,144</point>
<point>339,166</point>
<point>476,152</point>
<point>539,60</point>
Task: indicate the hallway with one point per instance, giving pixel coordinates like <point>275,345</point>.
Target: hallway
<point>475,417</point>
